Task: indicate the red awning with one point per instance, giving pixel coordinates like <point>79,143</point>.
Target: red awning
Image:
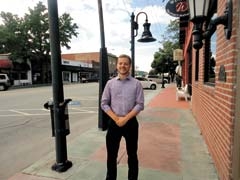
<point>5,64</point>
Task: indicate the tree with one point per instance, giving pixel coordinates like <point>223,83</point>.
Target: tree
<point>27,38</point>
<point>163,59</point>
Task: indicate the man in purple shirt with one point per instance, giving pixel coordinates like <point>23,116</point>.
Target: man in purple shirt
<point>122,100</point>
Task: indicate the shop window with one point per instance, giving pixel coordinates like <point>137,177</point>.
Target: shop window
<point>23,76</point>
<point>66,76</point>
<point>19,76</point>
<point>197,65</point>
<point>210,61</point>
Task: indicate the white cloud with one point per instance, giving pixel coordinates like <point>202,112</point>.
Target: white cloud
<point>116,16</point>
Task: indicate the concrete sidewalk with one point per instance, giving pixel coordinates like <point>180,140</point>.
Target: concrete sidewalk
<point>170,148</point>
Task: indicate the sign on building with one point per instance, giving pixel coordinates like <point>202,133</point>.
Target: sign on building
<point>178,55</point>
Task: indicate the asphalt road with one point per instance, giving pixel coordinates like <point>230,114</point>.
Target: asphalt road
<point>25,126</point>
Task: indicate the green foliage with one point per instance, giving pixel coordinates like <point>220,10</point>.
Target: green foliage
<point>28,37</point>
<point>163,59</point>
<point>67,29</point>
<point>9,32</point>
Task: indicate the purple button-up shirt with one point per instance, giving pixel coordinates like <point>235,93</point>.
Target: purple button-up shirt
<point>122,96</point>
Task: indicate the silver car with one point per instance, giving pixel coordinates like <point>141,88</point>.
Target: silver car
<point>147,84</point>
<point>158,79</point>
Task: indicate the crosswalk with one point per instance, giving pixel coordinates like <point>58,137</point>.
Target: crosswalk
<point>45,112</point>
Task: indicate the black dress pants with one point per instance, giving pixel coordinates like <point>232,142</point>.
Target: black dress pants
<point>179,81</point>
<point>130,132</point>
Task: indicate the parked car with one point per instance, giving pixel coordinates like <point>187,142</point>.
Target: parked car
<point>4,82</point>
<point>146,83</point>
<point>157,78</point>
<point>167,77</point>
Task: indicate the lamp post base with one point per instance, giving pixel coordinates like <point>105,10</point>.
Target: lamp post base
<point>62,167</point>
<point>162,85</point>
<point>163,81</point>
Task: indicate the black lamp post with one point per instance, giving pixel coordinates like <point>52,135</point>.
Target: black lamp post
<point>103,71</point>
<point>163,83</point>
<point>165,66</point>
<point>146,36</point>
<point>199,10</point>
<point>62,164</point>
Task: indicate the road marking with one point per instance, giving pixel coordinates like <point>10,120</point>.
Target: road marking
<point>45,112</point>
<point>25,114</point>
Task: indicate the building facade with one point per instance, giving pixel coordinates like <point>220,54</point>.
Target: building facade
<point>75,68</point>
<point>214,75</point>
<point>79,66</point>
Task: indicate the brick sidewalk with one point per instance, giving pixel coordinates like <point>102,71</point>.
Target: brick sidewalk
<point>170,148</point>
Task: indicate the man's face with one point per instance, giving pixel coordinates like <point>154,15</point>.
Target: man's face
<point>123,66</point>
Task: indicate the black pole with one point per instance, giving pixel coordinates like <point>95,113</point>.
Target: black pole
<point>133,44</point>
<point>103,71</point>
<point>163,81</point>
<point>62,164</point>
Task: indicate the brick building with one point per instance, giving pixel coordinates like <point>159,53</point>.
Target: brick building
<point>84,65</point>
<point>75,66</point>
<point>214,75</point>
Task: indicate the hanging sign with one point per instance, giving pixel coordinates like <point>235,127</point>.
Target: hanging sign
<point>177,8</point>
<point>177,55</point>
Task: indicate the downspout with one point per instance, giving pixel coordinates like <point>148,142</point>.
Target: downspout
<point>188,39</point>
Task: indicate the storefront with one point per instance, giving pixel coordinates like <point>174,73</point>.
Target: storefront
<point>213,69</point>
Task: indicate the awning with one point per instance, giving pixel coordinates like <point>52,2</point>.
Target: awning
<point>6,64</point>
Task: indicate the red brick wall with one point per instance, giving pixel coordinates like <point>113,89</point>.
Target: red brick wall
<point>86,57</point>
<point>214,107</point>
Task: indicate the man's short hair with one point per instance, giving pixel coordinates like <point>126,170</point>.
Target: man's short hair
<point>126,56</point>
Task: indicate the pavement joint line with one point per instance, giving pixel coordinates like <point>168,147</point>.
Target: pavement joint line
<point>195,161</point>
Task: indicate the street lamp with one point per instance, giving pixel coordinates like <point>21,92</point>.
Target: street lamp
<point>146,36</point>
<point>199,10</point>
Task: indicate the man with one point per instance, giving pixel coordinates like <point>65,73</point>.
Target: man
<point>122,100</point>
<point>179,75</point>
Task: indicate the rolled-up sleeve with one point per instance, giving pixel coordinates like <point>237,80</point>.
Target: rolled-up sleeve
<point>139,106</point>
<point>106,98</point>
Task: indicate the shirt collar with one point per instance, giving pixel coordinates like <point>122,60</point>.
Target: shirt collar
<point>127,78</point>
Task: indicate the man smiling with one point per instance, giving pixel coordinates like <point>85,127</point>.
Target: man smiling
<point>122,100</point>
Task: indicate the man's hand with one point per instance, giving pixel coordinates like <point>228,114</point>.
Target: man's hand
<point>121,121</point>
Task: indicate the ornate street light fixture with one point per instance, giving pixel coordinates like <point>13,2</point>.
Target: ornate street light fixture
<point>199,10</point>
<point>146,36</point>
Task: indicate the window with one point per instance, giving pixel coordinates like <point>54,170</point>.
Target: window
<point>210,61</point>
<point>66,77</point>
<point>197,65</point>
<point>210,56</point>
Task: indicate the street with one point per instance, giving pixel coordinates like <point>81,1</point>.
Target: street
<point>25,126</point>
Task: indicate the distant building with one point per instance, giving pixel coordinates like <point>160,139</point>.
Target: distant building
<point>75,67</point>
<point>84,65</point>
<point>140,73</point>
<point>19,72</point>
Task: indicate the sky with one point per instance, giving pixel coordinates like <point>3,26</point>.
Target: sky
<point>117,27</point>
